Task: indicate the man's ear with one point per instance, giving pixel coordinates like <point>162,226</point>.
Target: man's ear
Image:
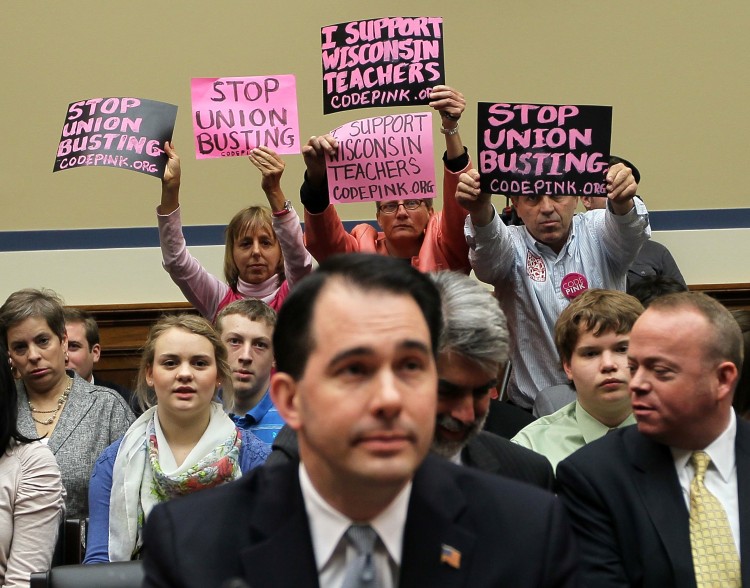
<point>284,394</point>
<point>726,375</point>
<point>97,351</point>
<point>568,371</point>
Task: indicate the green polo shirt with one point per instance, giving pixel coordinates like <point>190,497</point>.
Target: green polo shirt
<point>561,433</point>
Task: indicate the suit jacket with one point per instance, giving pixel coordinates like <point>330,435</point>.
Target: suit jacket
<point>258,531</point>
<point>486,451</point>
<point>628,511</point>
<point>505,419</point>
<point>496,455</point>
<point>92,418</point>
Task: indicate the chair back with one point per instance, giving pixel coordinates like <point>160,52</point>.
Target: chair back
<point>124,574</point>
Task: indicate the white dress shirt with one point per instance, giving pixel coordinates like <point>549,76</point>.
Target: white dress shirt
<point>333,551</point>
<point>721,476</point>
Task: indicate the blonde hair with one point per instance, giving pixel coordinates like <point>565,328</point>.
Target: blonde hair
<point>192,324</point>
<point>247,220</point>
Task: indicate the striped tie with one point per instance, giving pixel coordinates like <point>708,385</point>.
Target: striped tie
<point>715,558</point>
<point>361,572</point>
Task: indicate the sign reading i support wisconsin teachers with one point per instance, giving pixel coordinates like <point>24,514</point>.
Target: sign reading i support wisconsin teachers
<point>232,116</point>
<point>543,149</point>
<point>382,158</point>
<point>128,133</point>
<point>392,61</point>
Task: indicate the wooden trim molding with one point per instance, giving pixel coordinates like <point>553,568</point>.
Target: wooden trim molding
<point>123,328</point>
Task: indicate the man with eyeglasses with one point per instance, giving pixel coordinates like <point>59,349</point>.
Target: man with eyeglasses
<point>538,268</point>
<point>411,229</point>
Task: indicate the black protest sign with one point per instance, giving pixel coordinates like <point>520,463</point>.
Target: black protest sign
<point>128,133</point>
<point>391,61</point>
<point>543,149</point>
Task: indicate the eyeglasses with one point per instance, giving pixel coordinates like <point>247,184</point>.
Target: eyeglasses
<point>392,207</point>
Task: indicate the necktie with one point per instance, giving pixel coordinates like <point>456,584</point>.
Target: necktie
<point>715,558</point>
<point>361,571</point>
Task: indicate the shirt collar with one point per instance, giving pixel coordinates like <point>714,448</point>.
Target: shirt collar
<point>328,525</point>
<point>591,429</point>
<point>540,247</point>
<point>256,413</point>
<point>261,290</point>
<point>720,450</point>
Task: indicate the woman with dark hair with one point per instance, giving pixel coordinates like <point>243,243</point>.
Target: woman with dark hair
<point>31,496</point>
<point>74,418</point>
<point>264,254</point>
<point>184,441</point>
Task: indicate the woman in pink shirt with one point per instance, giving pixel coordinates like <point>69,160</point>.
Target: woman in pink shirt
<point>264,254</point>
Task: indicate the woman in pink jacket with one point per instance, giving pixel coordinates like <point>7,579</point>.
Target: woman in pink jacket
<point>264,252</point>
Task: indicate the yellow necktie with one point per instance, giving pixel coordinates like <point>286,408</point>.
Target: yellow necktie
<point>715,558</point>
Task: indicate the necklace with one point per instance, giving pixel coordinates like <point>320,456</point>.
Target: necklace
<point>60,404</point>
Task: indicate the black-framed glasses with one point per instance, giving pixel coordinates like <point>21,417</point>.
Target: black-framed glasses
<point>392,207</point>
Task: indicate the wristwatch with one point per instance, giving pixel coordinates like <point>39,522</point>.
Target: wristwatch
<point>286,210</point>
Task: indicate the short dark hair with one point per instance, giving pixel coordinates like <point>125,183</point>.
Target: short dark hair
<point>650,287</point>
<point>726,342</point>
<point>28,303</point>
<point>292,339</point>
<point>77,315</point>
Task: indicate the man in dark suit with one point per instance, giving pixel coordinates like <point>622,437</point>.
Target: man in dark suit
<point>637,496</point>
<point>84,351</point>
<point>355,351</point>
<point>473,346</point>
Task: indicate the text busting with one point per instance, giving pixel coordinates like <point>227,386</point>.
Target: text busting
<point>232,116</point>
<point>128,133</point>
<point>540,149</point>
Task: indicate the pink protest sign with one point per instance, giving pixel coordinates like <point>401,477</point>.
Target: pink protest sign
<point>232,116</point>
<point>383,158</point>
<point>123,132</point>
<point>391,61</point>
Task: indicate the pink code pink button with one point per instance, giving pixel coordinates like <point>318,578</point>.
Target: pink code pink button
<point>574,285</point>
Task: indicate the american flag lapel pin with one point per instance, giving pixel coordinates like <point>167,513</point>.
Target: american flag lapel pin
<point>450,555</point>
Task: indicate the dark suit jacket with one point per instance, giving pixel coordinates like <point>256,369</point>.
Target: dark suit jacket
<point>506,419</point>
<point>629,514</point>
<point>256,529</point>
<point>496,455</point>
<point>486,452</point>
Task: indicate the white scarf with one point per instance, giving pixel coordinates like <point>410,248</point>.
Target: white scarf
<point>132,475</point>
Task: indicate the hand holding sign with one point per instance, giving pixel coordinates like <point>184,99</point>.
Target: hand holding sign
<point>470,196</point>
<point>170,183</point>
<point>450,103</point>
<point>314,154</point>
<point>621,187</point>
<point>271,167</point>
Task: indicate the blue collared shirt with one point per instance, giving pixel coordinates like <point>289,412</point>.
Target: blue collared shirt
<point>263,420</point>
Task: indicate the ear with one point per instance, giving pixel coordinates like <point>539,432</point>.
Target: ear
<point>64,342</point>
<point>285,397</point>
<point>150,376</point>
<point>726,377</point>
<point>96,350</point>
<point>568,371</point>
